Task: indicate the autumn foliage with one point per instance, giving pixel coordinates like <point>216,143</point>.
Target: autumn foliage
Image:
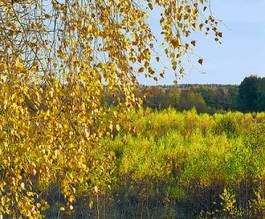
<point>56,59</point>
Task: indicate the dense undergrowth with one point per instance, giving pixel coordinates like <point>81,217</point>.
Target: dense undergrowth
<point>183,165</point>
<point>189,165</point>
<point>172,164</point>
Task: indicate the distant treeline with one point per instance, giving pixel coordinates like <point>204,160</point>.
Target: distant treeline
<point>249,96</point>
<point>205,98</point>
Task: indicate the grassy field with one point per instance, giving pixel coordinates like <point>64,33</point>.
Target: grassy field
<point>172,164</point>
<point>186,165</point>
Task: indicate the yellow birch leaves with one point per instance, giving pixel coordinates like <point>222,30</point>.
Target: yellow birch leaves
<point>57,60</point>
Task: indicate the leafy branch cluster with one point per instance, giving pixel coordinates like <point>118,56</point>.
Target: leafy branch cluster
<point>56,60</point>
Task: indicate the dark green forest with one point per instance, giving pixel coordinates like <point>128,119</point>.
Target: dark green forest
<point>249,96</point>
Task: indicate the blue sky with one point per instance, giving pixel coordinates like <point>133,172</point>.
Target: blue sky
<point>242,52</point>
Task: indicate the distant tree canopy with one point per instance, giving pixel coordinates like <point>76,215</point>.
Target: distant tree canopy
<point>205,98</point>
<point>261,94</point>
<point>251,94</point>
<point>247,95</point>
<point>191,99</point>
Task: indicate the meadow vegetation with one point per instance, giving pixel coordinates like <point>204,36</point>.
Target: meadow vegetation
<point>171,164</point>
<point>190,165</point>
